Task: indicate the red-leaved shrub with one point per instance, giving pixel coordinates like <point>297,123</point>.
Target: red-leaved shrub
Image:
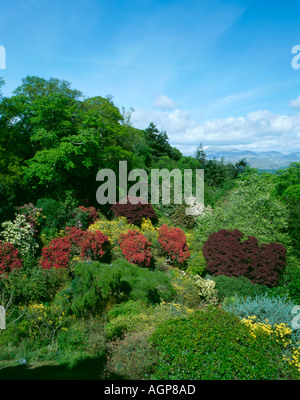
<point>9,258</point>
<point>227,253</point>
<point>135,248</point>
<point>173,244</point>
<point>75,237</point>
<point>89,245</point>
<point>94,246</point>
<point>134,212</point>
<point>57,254</point>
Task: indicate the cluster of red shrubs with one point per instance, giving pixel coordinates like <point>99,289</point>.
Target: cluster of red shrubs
<point>9,258</point>
<point>173,244</point>
<point>134,210</point>
<point>89,245</point>
<point>227,253</point>
<point>135,248</point>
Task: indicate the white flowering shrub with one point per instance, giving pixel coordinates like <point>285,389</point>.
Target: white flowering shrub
<point>20,233</point>
<point>207,290</point>
<point>196,208</point>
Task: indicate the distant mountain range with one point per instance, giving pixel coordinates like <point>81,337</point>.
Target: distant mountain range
<point>266,160</point>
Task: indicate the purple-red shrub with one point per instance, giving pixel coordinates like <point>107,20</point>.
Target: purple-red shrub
<point>228,253</point>
<point>173,244</point>
<point>9,258</point>
<point>134,212</point>
<point>136,248</point>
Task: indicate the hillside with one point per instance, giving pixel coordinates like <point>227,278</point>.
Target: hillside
<point>267,160</point>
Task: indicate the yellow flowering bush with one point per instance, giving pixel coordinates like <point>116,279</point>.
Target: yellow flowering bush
<point>113,229</point>
<point>196,263</point>
<point>146,226</point>
<point>149,231</point>
<point>189,239</point>
<point>193,290</point>
<point>118,226</point>
<point>43,322</point>
<point>47,239</point>
<point>282,334</point>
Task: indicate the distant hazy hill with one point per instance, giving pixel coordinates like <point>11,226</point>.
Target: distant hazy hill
<point>270,160</point>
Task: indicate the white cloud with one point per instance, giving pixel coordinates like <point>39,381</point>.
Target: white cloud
<point>295,103</point>
<point>259,130</point>
<point>164,102</point>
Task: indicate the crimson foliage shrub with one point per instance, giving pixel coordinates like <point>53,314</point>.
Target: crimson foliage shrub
<point>57,254</point>
<point>90,245</point>
<point>173,244</point>
<point>9,258</point>
<point>93,246</point>
<point>136,248</point>
<point>229,253</point>
<point>75,236</point>
<point>134,212</point>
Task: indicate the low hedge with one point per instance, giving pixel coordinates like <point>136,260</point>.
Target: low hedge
<point>215,345</point>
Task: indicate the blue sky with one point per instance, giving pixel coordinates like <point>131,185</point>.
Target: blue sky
<point>215,72</point>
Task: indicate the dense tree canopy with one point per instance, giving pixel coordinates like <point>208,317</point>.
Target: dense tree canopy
<point>54,140</point>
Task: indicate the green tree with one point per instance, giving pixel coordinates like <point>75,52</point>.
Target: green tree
<point>53,140</point>
<point>288,189</point>
<point>200,155</point>
<point>252,208</point>
<point>158,144</point>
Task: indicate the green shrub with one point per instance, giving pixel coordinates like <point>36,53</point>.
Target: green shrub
<point>130,357</point>
<point>146,320</point>
<point>196,263</point>
<point>30,286</point>
<point>79,219</point>
<point>100,286</point>
<point>186,289</point>
<point>251,208</point>
<point>292,277</point>
<point>55,214</point>
<point>130,307</point>
<point>33,284</point>
<point>180,219</point>
<point>73,337</point>
<point>229,286</point>
<point>42,323</point>
<point>215,345</point>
